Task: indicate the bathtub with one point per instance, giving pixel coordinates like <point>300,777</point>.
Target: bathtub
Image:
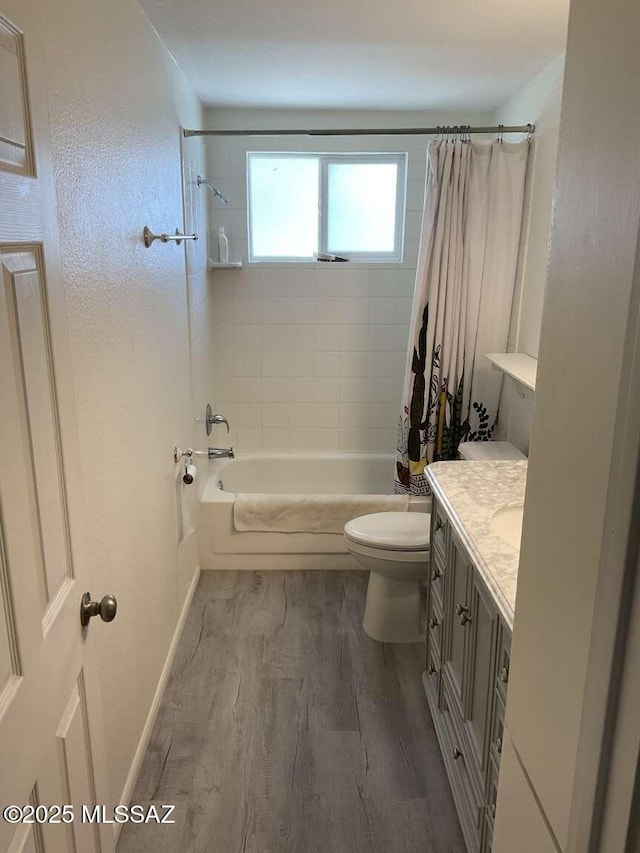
<point>222,547</point>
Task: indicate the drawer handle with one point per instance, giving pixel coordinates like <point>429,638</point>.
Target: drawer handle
<point>456,753</point>
<point>463,612</point>
<point>498,745</point>
<point>436,574</point>
<point>461,608</point>
<point>504,675</point>
<point>492,809</point>
<point>433,622</point>
<point>438,525</point>
<point>431,670</point>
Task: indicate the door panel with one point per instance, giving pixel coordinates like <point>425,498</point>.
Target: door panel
<point>458,582</point>
<point>51,740</point>
<point>482,652</point>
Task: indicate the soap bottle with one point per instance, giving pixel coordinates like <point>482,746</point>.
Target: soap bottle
<point>223,247</point>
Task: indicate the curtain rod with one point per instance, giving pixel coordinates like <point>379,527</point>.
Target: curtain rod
<point>397,131</point>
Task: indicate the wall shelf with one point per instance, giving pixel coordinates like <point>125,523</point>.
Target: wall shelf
<point>519,366</point>
<point>216,265</point>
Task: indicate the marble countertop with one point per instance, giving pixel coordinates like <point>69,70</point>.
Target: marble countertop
<point>470,493</point>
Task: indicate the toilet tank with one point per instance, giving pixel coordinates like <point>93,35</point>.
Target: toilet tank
<point>486,450</point>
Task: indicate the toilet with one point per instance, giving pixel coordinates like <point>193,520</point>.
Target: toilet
<point>394,547</point>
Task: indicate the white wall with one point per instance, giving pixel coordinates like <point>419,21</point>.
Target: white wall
<point>537,102</point>
<point>311,357</point>
<point>566,531</point>
<point>116,100</point>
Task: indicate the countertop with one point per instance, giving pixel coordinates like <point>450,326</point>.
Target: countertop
<point>470,493</point>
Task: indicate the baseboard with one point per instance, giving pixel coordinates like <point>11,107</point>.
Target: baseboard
<point>279,562</point>
<point>132,775</point>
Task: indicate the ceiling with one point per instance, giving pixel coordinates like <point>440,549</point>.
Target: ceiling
<point>363,54</point>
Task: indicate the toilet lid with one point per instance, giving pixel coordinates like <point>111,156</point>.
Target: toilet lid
<point>393,531</point>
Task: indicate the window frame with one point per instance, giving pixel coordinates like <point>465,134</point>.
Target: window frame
<point>325,160</point>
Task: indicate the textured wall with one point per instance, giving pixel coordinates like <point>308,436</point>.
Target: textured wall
<point>537,102</point>
<point>116,102</point>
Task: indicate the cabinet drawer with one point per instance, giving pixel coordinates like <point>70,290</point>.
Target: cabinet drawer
<point>434,625</point>
<point>432,677</point>
<point>439,527</point>
<point>504,660</point>
<point>463,784</point>
<point>497,728</point>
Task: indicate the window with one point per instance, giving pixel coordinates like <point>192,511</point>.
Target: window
<point>351,205</point>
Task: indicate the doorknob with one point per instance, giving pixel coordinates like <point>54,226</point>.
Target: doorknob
<point>106,608</point>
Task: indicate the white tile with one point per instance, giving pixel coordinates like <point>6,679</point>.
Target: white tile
<point>301,363</point>
<point>381,338</point>
<point>275,415</point>
<point>415,195</point>
<point>248,415</point>
<point>275,309</point>
<point>354,338</point>
<point>300,415</point>
<point>222,336</point>
<point>353,415</point>
<point>401,337</point>
<point>275,390</point>
<point>384,283</point>
<point>328,338</point>
<point>326,390</point>
<point>245,390</point>
<point>382,415</point>
<point>381,441</point>
<point>247,336</point>
<point>273,281</point>
<point>402,311</point>
<point>382,310</point>
<point>399,363</point>
<point>247,309</point>
<point>329,310</point>
<point>300,440</point>
<point>275,440</point>
<point>302,389</point>
<point>381,364</point>
<point>249,440</point>
<point>353,390</point>
<point>326,415</point>
<point>354,364</point>
<point>326,440</point>
<point>328,363</point>
<point>355,310</point>
<point>301,309</point>
<point>300,338</point>
<point>353,440</point>
<point>357,282</point>
<point>274,337</point>
<point>301,283</point>
<point>246,363</point>
<point>274,363</point>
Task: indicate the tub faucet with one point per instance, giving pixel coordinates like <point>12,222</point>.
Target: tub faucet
<point>221,453</point>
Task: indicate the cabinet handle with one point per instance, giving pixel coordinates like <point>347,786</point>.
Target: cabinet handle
<point>431,670</point>
<point>461,608</point>
<point>504,675</point>
<point>492,809</point>
<point>436,574</point>
<point>465,619</point>
<point>498,745</point>
<point>438,525</point>
<point>456,753</point>
<point>433,622</point>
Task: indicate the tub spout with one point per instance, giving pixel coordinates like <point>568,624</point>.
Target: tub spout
<point>221,453</point>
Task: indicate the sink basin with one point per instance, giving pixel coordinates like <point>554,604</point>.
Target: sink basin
<point>507,524</point>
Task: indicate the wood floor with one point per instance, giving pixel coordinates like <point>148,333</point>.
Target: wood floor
<point>285,729</point>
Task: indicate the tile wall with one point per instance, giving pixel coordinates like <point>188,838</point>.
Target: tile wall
<point>306,357</point>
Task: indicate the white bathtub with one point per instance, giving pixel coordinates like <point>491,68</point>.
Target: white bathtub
<point>222,547</point>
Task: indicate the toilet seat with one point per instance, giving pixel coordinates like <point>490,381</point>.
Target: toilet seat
<point>402,532</point>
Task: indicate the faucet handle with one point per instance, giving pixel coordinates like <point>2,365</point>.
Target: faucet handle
<point>210,420</point>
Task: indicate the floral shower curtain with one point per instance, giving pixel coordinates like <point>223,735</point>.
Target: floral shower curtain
<point>462,304</point>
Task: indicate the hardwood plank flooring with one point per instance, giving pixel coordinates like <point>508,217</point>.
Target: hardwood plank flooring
<point>285,729</point>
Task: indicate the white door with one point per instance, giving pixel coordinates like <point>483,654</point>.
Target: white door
<point>51,750</point>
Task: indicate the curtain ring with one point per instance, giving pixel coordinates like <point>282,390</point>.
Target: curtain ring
<point>500,133</point>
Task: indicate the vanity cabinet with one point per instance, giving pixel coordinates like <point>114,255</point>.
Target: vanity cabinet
<point>466,677</point>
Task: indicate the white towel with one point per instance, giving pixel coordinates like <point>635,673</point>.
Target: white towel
<point>308,513</point>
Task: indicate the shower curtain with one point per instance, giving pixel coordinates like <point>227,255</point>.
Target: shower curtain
<point>465,281</point>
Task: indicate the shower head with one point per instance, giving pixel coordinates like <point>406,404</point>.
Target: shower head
<point>204,182</point>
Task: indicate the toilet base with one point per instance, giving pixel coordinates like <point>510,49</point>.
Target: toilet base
<point>395,610</point>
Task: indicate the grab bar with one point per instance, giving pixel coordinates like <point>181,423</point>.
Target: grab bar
<point>148,236</point>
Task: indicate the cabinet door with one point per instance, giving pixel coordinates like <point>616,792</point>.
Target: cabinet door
<point>456,635</point>
<point>481,623</point>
